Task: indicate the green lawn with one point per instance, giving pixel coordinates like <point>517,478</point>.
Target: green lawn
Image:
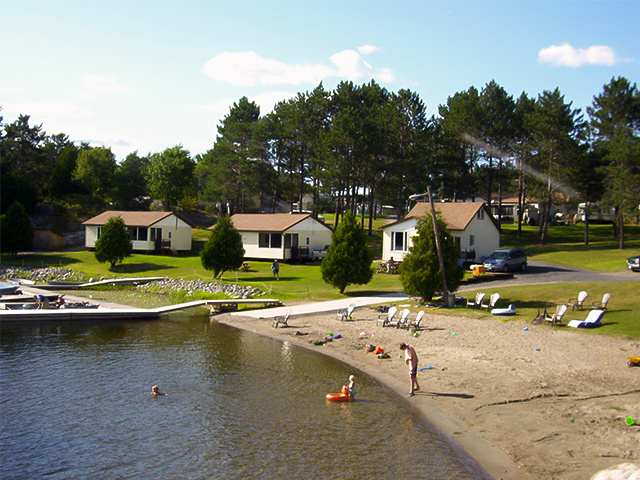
<point>303,283</point>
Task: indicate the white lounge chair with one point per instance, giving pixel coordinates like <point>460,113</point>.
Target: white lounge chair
<point>417,323</point>
<point>402,321</point>
<point>556,318</point>
<point>346,314</point>
<point>492,302</point>
<point>477,302</point>
<point>387,317</point>
<point>582,296</point>
<point>281,319</point>
<point>603,304</point>
<point>592,320</point>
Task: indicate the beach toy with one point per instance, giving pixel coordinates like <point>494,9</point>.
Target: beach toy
<point>526,328</point>
<point>633,361</point>
<point>630,421</point>
<point>536,349</point>
<point>430,367</point>
<point>454,334</point>
<point>363,334</point>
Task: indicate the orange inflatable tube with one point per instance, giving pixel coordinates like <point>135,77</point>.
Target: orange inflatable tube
<point>339,397</point>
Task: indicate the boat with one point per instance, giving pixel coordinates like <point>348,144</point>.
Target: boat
<point>9,289</point>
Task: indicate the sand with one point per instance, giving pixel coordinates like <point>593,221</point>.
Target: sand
<point>526,401</point>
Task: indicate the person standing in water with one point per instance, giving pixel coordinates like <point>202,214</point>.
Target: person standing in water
<point>350,390</point>
<point>411,359</point>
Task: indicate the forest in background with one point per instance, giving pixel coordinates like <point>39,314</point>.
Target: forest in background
<point>353,149</point>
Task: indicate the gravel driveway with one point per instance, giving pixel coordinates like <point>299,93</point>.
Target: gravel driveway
<point>541,272</point>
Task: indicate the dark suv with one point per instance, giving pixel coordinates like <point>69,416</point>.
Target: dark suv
<point>505,260</point>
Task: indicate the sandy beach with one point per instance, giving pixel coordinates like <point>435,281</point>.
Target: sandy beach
<point>526,401</point>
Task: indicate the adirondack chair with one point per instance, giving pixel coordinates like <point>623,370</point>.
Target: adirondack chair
<point>556,318</point>
<point>492,302</point>
<point>346,314</point>
<point>387,317</point>
<point>417,323</point>
<point>402,321</point>
<point>281,319</point>
<point>603,304</point>
<point>475,303</point>
<point>582,296</point>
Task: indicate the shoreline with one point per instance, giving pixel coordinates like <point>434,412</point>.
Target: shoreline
<point>523,401</point>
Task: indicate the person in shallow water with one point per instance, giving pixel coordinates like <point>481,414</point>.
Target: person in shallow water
<point>155,390</point>
<point>350,390</point>
<point>411,359</point>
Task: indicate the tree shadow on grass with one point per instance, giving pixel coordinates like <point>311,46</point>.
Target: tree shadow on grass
<point>131,268</point>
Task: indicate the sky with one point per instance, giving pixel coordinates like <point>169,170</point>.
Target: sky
<point>147,75</point>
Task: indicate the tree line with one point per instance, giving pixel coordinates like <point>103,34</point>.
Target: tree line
<point>353,149</point>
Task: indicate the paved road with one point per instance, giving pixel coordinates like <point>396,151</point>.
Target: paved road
<point>541,272</point>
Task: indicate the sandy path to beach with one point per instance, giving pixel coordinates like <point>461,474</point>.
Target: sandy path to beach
<point>526,401</point>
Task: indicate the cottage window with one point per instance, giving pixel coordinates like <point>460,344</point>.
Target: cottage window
<point>270,240</point>
<point>138,233</point>
<point>399,241</point>
<point>472,240</point>
<point>481,214</point>
<point>99,232</point>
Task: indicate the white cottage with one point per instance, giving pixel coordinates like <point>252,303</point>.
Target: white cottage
<point>150,231</point>
<point>470,224</point>
<point>273,236</point>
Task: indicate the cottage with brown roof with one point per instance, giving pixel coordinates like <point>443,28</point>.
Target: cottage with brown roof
<point>271,236</point>
<point>470,224</point>
<point>150,231</point>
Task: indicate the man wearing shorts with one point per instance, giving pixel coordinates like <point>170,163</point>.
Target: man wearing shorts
<point>411,359</point>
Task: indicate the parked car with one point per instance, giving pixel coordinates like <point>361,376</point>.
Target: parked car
<point>318,255</point>
<point>505,260</point>
<point>633,263</point>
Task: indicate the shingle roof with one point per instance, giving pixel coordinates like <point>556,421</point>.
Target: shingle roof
<point>131,219</point>
<point>267,222</point>
<point>457,215</point>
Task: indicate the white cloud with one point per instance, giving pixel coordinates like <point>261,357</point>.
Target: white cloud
<point>11,89</point>
<point>102,84</point>
<point>368,49</point>
<point>48,109</point>
<point>248,69</point>
<point>566,55</point>
<point>267,101</point>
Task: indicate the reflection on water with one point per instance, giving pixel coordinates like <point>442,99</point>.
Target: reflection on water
<point>76,403</point>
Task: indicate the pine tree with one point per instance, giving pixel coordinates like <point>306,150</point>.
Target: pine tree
<point>348,261</point>
<point>420,273</point>
<point>224,250</point>
<point>114,244</point>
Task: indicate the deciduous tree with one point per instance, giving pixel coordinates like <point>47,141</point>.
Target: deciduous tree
<point>171,176</point>
<point>16,232</point>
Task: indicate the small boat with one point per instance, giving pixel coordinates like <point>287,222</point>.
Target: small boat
<point>9,289</point>
<point>20,281</point>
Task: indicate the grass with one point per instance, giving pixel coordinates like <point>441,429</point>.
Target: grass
<point>303,283</point>
<point>621,318</point>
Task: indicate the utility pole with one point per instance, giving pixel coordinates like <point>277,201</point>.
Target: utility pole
<point>445,292</point>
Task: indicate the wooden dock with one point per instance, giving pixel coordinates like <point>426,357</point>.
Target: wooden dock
<point>101,313</point>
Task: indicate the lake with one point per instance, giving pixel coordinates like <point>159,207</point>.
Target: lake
<point>76,404</point>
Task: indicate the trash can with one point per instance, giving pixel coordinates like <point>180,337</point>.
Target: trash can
<point>451,300</point>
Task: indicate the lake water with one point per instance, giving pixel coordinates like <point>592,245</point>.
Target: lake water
<point>75,404</point>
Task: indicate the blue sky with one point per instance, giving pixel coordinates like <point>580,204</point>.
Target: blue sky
<point>147,75</point>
